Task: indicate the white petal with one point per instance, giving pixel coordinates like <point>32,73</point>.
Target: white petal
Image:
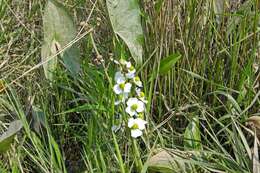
<point>127,88</point>
<point>136,133</point>
<point>132,70</point>
<point>128,64</point>
<point>119,77</point>
<point>130,75</point>
<point>117,89</point>
<point>139,83</point>
<point>131,122</point>
<point>131,101</point>
<point>141,123</point>
<point>140,107</point>
<point>130,111</point>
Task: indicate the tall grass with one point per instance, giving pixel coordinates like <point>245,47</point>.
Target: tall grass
<point>67,125</point>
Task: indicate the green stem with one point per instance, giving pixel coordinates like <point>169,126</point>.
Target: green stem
<point>138,161</point>
<point>121,163</point>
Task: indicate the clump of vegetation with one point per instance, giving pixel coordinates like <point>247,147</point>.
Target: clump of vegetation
<point>129,86</point>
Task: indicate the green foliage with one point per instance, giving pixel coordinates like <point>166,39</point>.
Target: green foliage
<point>167,63</point>
<point>67,126</point>
<point>192,138</point>
<point>59,33</point>
<point>163,162</point>
<point>7,138</point>
<point>126,22</point>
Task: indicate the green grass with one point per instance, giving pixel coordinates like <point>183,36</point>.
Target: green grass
<point>67,124</point>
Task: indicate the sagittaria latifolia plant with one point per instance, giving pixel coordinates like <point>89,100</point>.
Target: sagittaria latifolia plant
<point>128,90</point>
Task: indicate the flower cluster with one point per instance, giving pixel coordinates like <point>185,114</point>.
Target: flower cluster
<point>128,88</point>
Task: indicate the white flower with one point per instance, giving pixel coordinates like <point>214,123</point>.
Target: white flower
<point>136,126</point>
<point>134,106</point>
<point>130,72</point>
<point>137,81</point>
<point>141,95</point>
<point>122,88</point>
<point>128,64</point>
<point>122,98</point>
<point>119,77</point>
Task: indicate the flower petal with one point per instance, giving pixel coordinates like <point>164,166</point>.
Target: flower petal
<point>136,133</point>
<point>141,123</point>
<point>119,77</point>
<point>117,89</point>
<point>130,111</point>
<point>128,64</point>
<point>131,101</point>
<point>127,88</point>
<point>139,83</point>
<point>131,122</point>
<point>140,107</point>
<point>130,75</point>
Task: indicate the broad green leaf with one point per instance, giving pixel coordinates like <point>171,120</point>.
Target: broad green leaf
<point>163,162</point>
<point>48,50</point>
<point>126,22</point>
<point>192,138</point>
<point>6,138</point>
<point>59,31</point>
<point>167,63</point>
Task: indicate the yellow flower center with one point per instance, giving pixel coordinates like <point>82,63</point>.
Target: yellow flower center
<point>135,126</point>
<point>132,68</point>
<point>134,107</point>
<point>141,94</point>
<point>122,85</point>
<point>137,79</point>
<point>141,115</point>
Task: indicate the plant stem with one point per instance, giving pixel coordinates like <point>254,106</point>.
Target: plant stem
<point>118,153</point>
<point>138,160</point>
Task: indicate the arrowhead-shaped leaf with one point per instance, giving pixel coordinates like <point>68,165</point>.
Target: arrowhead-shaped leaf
<point>59,31</point>
<point>192,138</point>
<point>164,162</point>
<point>6,138</point>
<point>126,22</point>
<point>167,63</point>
